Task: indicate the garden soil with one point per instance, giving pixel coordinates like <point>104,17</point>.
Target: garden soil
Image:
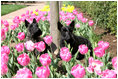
<point>105,36</point>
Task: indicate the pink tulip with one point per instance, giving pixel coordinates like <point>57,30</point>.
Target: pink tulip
<point>43,18</point>
<point>5,49</point>
<point>21,35</point>
<point>114,63</point>
<point>48,18</point>
<point>61,13</point>
<point>20,47</point>
<point>16,20</point>
<point>83,49</point>
<point>77,25</point>
<point>5,29</point>
<point>23,19</point>
<point>91,23</point>
<point>38,18</point>
<point>27,12</point>
<point>79,16</point>
<point>90,69</point>
<point>68,22</point>
<point>4,69</point>
<point>103,44</point>
<point>100,43</point>
<point>60,18</point>
<point>23,73</point>
<point>75,12</point>
<point>29,45</point>
<point>6,23</point>
<point>36,10</point>
<point>28,16</point>
<point>64,18</point>
<point>90,60</point>
<point>30,20</point>
<point>3,36</point>
<point>23,15</point>
<point>109,74</point>
<point>42,72</point>
<point>72,17</point>
<point>65,54</point>
<point>48,39</point>
<point>98,70</point>
<point>31,12</point>
<point>2,21</point>
<point>94,65</point>
<point>40,46</point>
<point>23,59</point>
<point>84,20</point>
<point>45,59</point>
<point>97,63</point>
<point>99,51</point>
<point>12,27</point>
<point>44,12</point>
<point>78,71</point>
<point>4,58</point>
<point>33,16</point>
<point>16,25</point>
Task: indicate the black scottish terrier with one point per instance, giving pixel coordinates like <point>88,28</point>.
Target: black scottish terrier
<point>73,40</point>
<point>34,33</point>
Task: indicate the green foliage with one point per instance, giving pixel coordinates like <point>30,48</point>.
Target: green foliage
<point>104,12</point>
<point>112,19</point>
<point>68,2</point>
<point>5,9</point>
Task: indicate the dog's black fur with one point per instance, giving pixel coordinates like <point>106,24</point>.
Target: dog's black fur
<point>73,40</point>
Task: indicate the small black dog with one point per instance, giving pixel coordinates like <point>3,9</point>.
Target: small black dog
<point>34,33</point>
<point>73,40</point>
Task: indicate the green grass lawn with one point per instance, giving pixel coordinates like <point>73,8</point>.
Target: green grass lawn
<point>5,9</point>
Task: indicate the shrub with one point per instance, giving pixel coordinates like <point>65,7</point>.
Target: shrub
<point>104,12</point>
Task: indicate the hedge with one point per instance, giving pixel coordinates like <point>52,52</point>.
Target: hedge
<point>103,12</point>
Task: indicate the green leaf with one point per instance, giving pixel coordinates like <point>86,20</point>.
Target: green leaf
<point>8,74</point>
<point>76,54</point>
<point>50,54</point>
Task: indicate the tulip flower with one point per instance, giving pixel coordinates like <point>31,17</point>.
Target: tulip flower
<point>23,59</point>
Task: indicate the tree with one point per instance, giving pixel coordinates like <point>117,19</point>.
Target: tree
<point>54,10</point>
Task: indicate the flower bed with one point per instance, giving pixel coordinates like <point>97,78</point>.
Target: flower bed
<point>19,61</point>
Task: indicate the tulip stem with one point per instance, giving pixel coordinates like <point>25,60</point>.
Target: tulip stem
<point>67,68</point>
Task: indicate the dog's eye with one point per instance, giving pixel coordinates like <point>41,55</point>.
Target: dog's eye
<point>64,30</point>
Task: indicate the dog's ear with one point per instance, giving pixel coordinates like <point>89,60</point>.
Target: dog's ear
<point>59,26</point>
<point>72,26</point>
<point>26,23</point>
<point>34,20</point>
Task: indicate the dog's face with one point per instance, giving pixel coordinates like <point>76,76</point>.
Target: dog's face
<point>66,32</point>
<point>33,28</point>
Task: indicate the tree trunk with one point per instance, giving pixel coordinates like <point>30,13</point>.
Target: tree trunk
<point>60,5</point>
<point>54,12</point>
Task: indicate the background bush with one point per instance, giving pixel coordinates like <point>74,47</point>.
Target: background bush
<point>103,12</point>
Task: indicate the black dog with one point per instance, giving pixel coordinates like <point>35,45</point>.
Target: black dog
<point>34,33</point>
<point>73,40</point>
